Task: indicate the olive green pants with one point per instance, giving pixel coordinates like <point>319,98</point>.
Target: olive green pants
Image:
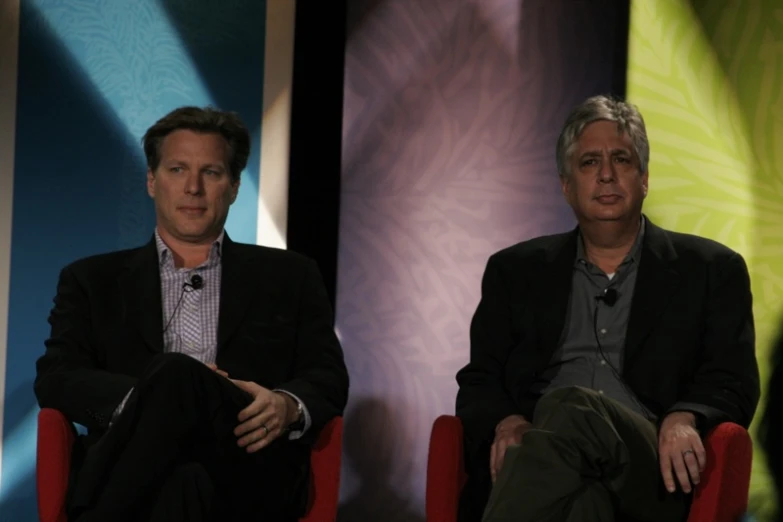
<point>587,458</point>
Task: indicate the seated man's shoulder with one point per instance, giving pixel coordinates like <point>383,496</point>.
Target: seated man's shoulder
<point>698,249</point>
<point>106,264</point>
<point>287,260</point>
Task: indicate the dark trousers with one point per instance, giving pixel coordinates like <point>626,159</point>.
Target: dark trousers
<point>172,456</point>
<point>587,458</point>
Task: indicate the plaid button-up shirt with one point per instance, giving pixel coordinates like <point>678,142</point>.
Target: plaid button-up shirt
<point>191,327</point>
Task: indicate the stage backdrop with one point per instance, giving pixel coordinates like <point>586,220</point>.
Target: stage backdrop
<point>452,111</point>
<point>81,81</point>
<point>708,77</point>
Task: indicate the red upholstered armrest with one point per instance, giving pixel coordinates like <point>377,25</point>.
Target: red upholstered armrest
<point>325,465</point>
<point>722,495</point>
<point>53,463</point>
<point>445,470</point>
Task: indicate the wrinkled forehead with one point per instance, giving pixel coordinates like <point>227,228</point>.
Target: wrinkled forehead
<point>601,136</point>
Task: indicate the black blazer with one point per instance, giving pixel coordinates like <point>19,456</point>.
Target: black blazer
<point>690,337</point>
<point>275,328</point>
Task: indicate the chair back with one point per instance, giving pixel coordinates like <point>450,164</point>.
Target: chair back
<point>56,436</point>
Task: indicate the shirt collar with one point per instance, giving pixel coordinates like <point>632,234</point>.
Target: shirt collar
<point>634,255</point>
<point>164,253</point>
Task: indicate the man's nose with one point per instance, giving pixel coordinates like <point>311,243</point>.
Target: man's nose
<point>193,184</point>
<point>606,171</point>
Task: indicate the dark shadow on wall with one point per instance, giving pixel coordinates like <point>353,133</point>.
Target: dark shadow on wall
<point>17,507</point>
<point>576,49</point>
<point>316,135</point>
<point>371,445</point>
<point>225,41</point>
<point>621,9</point>
<point>359,12</point>
<point>78,190</point>
<point>771,429</point>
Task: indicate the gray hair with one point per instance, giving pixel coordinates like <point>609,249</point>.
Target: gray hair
<point>627,116</point>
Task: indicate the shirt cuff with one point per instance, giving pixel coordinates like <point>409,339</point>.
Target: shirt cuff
<point>120,407</point>
<point>293,435</point>
<point>707,417</point>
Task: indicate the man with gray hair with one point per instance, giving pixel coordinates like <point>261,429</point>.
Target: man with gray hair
<point>601,357</point>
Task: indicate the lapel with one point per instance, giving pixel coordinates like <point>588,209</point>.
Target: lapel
<point>140,290</point>
<point>553,283</point>
<point>655,283</point>
<point>238,286</point>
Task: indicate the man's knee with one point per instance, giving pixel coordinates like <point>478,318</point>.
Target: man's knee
<point>192,476</point>
<point>166,364</point>
<point>569,401</point>
<point>169,372</point>
<point>569,395</point>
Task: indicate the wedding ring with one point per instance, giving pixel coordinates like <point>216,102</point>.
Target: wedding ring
<point>686,452</point>
<point>266,430</point>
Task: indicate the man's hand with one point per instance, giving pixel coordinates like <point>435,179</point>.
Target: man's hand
<point>508,431</point>
<point>217,370</point>
<point>680,451</point>
<point>264,419</point>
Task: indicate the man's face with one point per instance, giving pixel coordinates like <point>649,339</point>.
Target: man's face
<point>605,183</point>
<point>192,187</point>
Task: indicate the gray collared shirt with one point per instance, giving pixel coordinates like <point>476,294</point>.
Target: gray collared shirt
<point>590,352</point>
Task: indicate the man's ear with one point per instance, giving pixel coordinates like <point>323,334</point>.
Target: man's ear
<point>565,186</point>
<point>151,183</point>
<point>234,191</point>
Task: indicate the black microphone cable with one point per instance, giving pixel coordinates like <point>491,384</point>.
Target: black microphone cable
<point>196,283</point>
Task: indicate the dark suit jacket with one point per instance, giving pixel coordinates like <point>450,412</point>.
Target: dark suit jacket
<point>275,328</point>
<point>690,337</point>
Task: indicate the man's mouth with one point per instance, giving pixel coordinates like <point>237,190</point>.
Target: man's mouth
<point>192,210</point>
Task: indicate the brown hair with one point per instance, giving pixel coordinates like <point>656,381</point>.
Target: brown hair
<point>207,120</point>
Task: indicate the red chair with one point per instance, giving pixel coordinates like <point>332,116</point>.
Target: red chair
<point>55,440</point>
<point>722,495</point>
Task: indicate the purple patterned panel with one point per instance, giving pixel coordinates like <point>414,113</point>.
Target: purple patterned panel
<point>452,110</point>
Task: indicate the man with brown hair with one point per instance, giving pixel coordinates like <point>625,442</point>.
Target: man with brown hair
<point>203,369</point>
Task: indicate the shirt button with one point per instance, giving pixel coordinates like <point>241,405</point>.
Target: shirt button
<point>603,362</point>
<point>603,331</point>
<point>600,392</point>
